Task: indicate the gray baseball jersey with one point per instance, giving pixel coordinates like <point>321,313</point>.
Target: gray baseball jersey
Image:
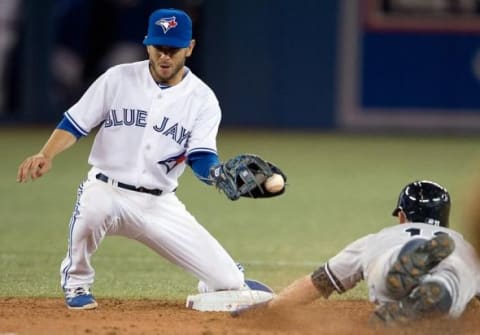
<point>371,256</point>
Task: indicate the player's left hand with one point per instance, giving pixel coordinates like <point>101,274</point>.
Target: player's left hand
<point>33,167</point>
<point>245,176</point>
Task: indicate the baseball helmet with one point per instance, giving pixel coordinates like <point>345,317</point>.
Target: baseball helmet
<point>424,201</point>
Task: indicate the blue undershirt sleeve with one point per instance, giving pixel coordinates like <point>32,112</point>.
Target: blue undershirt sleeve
<point>66,125</point>
<point>201,162</point>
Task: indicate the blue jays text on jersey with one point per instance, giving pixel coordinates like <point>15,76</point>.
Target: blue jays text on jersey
<point>138,118</point>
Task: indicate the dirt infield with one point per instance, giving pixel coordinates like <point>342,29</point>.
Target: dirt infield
<point>118,317</point>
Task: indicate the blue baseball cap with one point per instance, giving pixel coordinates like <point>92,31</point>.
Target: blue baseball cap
<point>169,27</point>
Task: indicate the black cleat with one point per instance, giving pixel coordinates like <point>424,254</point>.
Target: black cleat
<point>415,260</point>
<point>428,299</point>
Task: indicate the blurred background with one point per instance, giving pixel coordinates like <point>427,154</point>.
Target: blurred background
<point>352,98</point>
<point>315,65</point>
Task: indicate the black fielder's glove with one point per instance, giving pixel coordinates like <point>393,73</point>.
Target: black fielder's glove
<point>244,176</point>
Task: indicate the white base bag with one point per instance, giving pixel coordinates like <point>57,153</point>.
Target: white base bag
<point>227,301</point>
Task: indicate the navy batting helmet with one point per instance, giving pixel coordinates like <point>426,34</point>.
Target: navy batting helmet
<point>424,201</point>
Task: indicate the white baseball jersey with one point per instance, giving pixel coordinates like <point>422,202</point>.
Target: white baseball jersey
<point>146,132</point>
<point>145,135</point>
<point>371,257</point>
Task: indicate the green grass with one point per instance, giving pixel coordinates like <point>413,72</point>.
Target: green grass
<point>340,187</point>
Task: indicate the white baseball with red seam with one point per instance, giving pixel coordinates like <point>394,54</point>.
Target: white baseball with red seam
<point>275,183</point>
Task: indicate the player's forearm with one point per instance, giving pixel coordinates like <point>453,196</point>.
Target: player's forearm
<point>201,163</point>
<point>59,141</point>
<point>301,291</point>
<point>305,289</point>
<point>35,166</point>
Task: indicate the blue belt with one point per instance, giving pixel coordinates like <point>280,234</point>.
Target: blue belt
<point>104,178</point>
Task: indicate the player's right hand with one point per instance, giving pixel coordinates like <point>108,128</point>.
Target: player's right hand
<point>33,167</point>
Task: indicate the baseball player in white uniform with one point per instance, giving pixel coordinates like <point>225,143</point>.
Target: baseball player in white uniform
<point>415,269</point>
<point>154,117</point>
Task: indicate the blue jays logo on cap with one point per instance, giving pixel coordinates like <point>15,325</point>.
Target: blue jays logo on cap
<point>169,27</point>
<point>167,23</point>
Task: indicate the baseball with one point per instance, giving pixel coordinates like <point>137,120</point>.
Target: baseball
<point>275,183</point>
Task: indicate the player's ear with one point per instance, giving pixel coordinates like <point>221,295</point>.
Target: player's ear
<point>190,48</point>
<point>402,218</point>
<point>148,47</point>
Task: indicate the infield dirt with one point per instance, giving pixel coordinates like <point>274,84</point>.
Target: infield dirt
<point>117,317</point>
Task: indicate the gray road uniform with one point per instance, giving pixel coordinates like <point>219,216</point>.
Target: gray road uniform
<point>371,257</point>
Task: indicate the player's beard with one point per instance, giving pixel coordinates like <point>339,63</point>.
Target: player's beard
<point>170,76</point>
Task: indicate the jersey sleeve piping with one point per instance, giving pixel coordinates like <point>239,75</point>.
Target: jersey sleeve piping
<point>66,125</point>
<point>76,125</point>
<point>338,285</point>
<point>201,149</point>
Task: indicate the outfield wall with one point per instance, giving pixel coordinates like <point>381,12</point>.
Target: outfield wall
<point>346,64</point>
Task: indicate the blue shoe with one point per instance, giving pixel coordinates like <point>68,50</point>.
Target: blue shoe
<point>80,298</point>
<point>257,286</point>
<point>254,284</point>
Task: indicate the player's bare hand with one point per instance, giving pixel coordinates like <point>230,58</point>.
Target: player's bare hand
<point>33,167</point>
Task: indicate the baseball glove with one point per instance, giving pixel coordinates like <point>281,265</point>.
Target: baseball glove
<point>244,176</point>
